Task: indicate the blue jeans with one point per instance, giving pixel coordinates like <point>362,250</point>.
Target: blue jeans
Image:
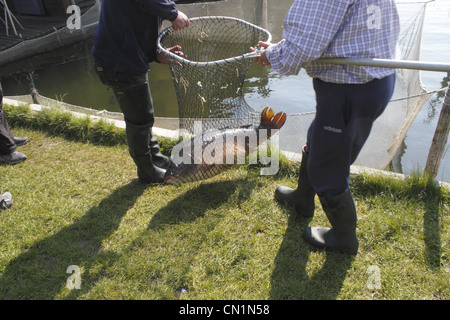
<point>344,117</point>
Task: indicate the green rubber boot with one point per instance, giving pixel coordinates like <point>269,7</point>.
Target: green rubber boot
<point>160,160</point>
<point>302,198</point>
<point>341,213</point>
<point>138,138</point>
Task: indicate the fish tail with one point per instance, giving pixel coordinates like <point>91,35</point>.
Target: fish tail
<point>270,120</point>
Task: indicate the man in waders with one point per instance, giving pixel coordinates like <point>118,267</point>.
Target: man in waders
<point>348,100</point>
<point>125,43</point>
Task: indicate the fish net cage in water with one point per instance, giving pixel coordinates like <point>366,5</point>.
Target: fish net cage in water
<point>210,76</point>
<point>410,95</point>
<point>209,82</point>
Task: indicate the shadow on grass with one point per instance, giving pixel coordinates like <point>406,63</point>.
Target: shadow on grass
<point>290,280</point>
<point>164,279</point>
<point>432,235</point>
<point>194,203</point>
<point>41,271</point>
<point>417,188</point>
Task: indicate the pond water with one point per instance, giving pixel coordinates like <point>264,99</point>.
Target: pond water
<point>76,83</point>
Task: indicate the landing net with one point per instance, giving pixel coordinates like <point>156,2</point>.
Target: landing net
<point>209,78</point>
<point>390,129</point>
<point>209,82</point>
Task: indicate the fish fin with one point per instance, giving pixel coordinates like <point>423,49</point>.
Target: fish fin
<point>279,120</point>
<point>267,115</point>
<point>270,120</point>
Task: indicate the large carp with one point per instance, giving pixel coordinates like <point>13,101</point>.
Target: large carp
<point>214,151</point>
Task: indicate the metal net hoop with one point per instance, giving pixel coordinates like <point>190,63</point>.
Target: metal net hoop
<point>209,78</point>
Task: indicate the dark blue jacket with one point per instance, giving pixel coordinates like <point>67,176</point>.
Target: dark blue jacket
<point>127,33</point>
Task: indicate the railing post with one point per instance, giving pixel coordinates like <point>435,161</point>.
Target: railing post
<point>440,138</point>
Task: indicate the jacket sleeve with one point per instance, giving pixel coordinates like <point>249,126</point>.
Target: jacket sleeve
<point>165,9</point>
<point>309,28</point>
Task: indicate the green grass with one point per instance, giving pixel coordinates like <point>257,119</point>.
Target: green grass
<point>77,202</point>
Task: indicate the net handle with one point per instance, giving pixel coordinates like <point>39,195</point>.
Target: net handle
<point>249,55</point>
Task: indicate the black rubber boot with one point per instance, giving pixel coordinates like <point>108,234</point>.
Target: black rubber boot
<point>341,213</point>
<point>138,137</point>
<point>302,198</point>
<point>160,160</point>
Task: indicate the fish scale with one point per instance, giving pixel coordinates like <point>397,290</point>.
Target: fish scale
<point>198,169</point>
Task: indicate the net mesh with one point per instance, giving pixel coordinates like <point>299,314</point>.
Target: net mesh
<point>209,89</point>
<point>210,77</point>
<point>409,96</point>
<point>209,86</point>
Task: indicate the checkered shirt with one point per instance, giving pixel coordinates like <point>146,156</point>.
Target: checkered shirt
<point>337,28</point>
